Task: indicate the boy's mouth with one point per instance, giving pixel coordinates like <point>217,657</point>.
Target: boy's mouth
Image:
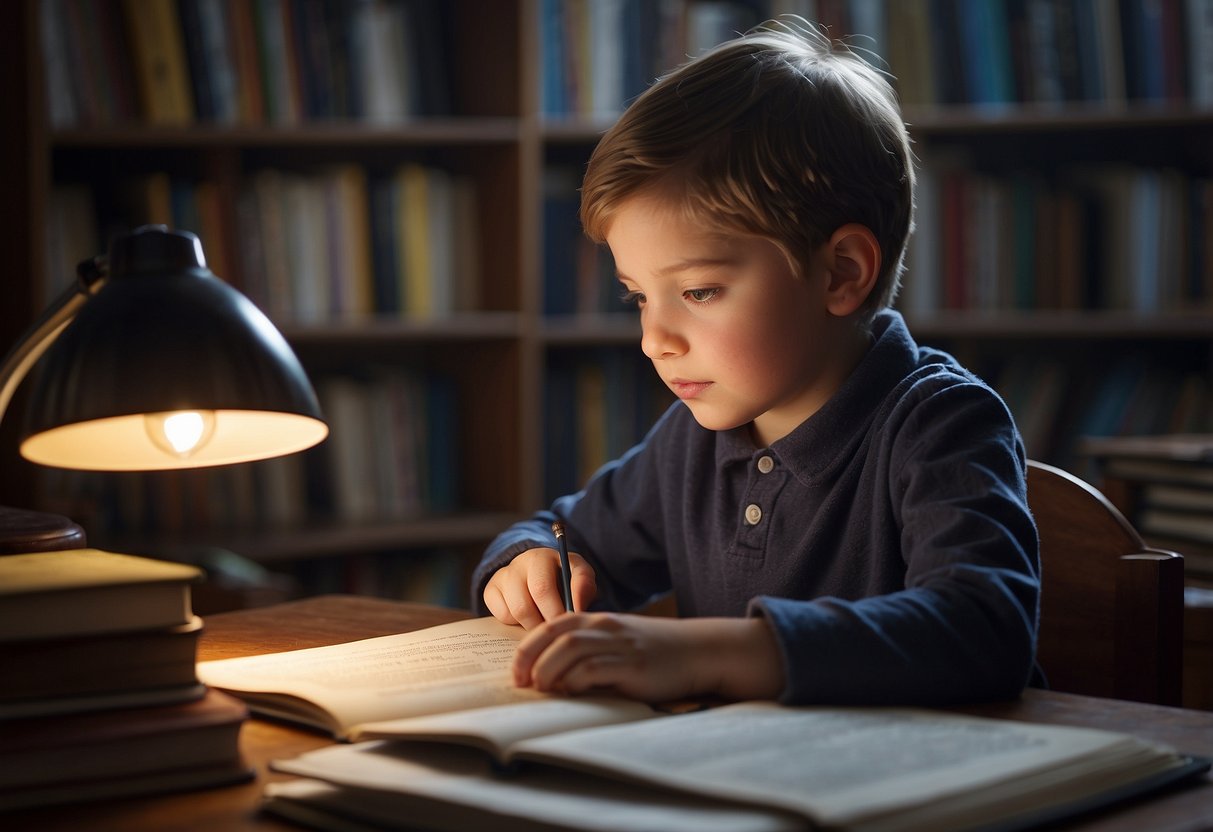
<point>688,389</point>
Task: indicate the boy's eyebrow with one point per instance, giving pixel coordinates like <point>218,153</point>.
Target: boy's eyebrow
<point>684,265</point>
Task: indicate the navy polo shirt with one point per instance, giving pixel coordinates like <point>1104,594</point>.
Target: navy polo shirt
<point>887,539</point>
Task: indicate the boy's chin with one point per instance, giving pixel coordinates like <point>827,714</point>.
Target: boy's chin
<point>710,420</point>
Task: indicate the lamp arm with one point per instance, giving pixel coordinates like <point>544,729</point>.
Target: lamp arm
<point>91,275</point>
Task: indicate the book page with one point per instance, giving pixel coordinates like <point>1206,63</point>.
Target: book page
<point>839,766</point>
<point>465,664</point>
<point>453,788</point>
<point>496,728</point>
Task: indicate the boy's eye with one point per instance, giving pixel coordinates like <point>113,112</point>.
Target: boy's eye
<point>702,295</point>
<point>632,298</point>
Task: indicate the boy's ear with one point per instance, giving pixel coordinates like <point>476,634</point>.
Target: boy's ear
<point>853,262</point>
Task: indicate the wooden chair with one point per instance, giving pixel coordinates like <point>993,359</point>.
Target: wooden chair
<point>1111,619</point>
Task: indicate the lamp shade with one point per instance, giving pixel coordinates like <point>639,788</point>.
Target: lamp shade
<point>165,342</point>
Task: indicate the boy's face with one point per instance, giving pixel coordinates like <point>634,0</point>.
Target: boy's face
<point>731,329</point>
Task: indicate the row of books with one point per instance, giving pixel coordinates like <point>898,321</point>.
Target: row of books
<point>1163,482</point>
<point>996,53</point>
<point>391,454</point>
<point>1107,237</point>
<point>101,697</point>
<point>1058,403</point>
<point>244,61</point>
<point>392,449</point>
<point>599,403</point>
<point>578,274</point>
<point>344,243</point>
<point>340,243</point>
<point>599,54</point>
<point>264,494</point>
<point>426,576</point>
<point>82,220</point>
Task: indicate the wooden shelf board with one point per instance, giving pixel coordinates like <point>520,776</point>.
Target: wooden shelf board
<point>976,119</point>
<point>1063,324</point>
<point>466,131</point>
<point>1061,118</point>
<point>479,326</point>
<point>584,330</point>
<point>573,131</point>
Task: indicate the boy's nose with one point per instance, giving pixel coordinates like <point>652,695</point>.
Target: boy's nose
<point>658,340</point>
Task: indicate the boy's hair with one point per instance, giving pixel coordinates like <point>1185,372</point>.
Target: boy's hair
<point>779,133</point>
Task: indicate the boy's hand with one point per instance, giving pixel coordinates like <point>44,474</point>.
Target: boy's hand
<point>527,590</point>
<point>652,659</point>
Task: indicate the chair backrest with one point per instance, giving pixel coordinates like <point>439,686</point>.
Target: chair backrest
<point>1111,618</point>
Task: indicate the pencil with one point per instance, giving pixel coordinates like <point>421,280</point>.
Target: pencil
<point>565,570</point>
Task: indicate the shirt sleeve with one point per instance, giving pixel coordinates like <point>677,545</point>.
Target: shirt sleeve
<point>964,627</point>
<point>615,523</point>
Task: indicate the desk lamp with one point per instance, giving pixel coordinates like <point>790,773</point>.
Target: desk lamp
<point>153,363</point>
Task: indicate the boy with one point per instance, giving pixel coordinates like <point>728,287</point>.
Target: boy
<point>840,513</point>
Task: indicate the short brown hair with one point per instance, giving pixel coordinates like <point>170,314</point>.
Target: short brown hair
<point>780,133</point>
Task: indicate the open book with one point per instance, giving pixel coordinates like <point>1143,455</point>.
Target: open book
<point>448,668</point>
<point>748,766</point>
<point>450,743</point>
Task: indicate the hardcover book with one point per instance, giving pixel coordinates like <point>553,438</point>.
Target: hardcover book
<point>88,591</point>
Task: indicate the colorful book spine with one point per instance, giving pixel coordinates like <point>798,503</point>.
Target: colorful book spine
<point>1096,237</point>
<point>244,61</point>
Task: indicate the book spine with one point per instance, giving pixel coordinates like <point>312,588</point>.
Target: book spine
<point>598,404</point>
<point>1199,26</point>
<point>561,229</point>
<point>249,80</point>
<point>160,61</point>
<point>61,98</point>
<point>218,60</point>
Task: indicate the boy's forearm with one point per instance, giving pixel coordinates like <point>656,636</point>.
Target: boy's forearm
<point>739,657</point>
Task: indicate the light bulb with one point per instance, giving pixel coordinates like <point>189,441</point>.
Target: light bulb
<point>181,432</point>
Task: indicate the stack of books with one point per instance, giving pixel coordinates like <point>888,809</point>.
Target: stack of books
<point>99,695</point>
<point>1164,486</point>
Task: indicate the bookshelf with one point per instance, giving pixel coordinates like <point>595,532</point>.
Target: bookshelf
<point>503,121</point>
<point>1104,327</point>
<point>430,116</point>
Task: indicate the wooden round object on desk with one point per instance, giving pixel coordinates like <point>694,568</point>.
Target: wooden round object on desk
<point>36,531</point>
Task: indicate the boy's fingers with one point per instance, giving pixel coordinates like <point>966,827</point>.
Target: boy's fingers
<point>605,670</point>
<point>495,601</point>
<point>557,667</point>
<point>544,583</point>
<point>584,584</point>
<point>535,643</point>
<point>521,606</point>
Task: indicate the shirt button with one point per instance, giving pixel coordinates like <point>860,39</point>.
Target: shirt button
<point>753,514</point>
<point>766,465</point>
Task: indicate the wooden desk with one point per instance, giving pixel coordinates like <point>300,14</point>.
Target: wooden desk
<point>332,619</point>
